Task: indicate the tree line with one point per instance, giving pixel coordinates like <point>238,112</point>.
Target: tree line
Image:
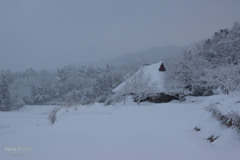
<point>68,85</point>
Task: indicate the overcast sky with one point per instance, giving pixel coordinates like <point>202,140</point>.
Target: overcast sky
<point>51,33</point>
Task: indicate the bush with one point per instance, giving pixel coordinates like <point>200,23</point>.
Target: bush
<point>231,119</point>
<point>52,117</point>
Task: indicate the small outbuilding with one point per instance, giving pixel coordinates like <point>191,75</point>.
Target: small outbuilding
<point>156,73</point>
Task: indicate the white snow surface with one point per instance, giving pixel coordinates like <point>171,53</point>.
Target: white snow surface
<point>119,132</point>
<point>224,103</point>
<point>156,77</point>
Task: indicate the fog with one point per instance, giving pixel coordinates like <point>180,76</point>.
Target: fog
<point>51,33</point>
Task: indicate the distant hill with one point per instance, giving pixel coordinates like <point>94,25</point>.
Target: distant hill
<point>150,55</point>
<point>130,62</point>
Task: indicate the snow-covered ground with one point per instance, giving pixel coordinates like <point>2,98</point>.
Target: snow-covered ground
<point>118,132</point>
<point>226,103</point>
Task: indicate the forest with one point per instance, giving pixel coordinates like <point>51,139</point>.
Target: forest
<point>211,67</point>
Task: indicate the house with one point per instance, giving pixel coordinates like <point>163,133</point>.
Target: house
<point>156,76</point>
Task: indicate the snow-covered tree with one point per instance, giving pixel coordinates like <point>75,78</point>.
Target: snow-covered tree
<point>140,86</point>
<point>5,99</point>
<point>224,78</point>
<point>184,77</point>
<point>61,81</point>
<point>104,85</point>
<point>212,68</point>
<point>40,95</point>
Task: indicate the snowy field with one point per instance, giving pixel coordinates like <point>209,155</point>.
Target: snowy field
<point>118,132</point>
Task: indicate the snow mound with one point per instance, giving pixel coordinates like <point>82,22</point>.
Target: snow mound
<point>224,103</point>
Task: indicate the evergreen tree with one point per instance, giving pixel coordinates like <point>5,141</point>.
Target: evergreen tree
<point>61,82</point>
<point>39,95</point>
<point>103,87</point>
<point>5,101</point>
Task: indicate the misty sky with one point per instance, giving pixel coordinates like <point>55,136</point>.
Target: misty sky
<point>51,33</point>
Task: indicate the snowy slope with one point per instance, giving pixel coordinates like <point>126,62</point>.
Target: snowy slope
<point>149,131</point>
<point>155,76</point>
<point>226,103</point>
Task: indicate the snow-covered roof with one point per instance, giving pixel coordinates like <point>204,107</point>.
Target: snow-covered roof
<point>156,77</point>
